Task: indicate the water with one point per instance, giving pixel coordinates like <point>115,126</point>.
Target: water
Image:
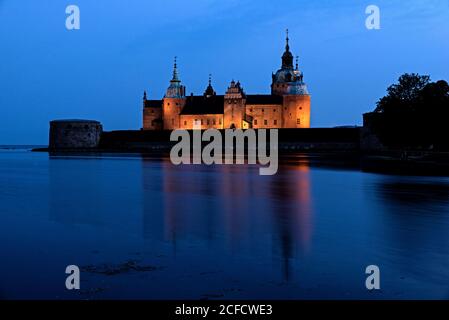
<point>143,228</point>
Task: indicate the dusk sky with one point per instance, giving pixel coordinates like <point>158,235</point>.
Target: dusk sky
<point>124,47</point>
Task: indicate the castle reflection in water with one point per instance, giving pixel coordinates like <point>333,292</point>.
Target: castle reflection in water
<point>231,208</point>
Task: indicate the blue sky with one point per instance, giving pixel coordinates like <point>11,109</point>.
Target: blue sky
<point>123,47</point>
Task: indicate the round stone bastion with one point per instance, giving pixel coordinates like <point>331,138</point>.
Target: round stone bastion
<point>74,134</point>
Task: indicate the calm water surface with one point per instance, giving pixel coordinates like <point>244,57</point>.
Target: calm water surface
<point>143,228</point>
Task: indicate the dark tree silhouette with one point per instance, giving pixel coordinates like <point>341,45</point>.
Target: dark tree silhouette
<point>414,114</point>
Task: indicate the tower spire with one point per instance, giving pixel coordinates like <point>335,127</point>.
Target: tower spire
<point>209,90</point>
<point>175,71</point>
<point>175,90</point>
<point>297,59</point>
<point>287,57</point>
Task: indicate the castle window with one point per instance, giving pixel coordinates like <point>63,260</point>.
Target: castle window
<point>300,108</point>
<point>263,110</point>
<point>185,123</point>
<point>213,121</point>
<point>173,122</point>
<point>168,104</point>
<point>275,122</point>
<point>152,111</point>
<point>177,104</point>
<point>255,121</point>
<point>219,121</point>
<point>298,121</point>
<point>208,122</point>
<point>265,122</point>
<point>251,110</point>
<point>274,110</point>
<point>201,121</point>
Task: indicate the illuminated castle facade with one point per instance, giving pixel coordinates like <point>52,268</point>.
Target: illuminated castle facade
<point>288,105</point>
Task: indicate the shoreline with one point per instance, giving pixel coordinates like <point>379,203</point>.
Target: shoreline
<point>332,145</point>
<point>388,162</point>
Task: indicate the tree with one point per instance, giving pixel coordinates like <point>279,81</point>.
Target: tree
<point>404,93</point>
<point>414,113</point>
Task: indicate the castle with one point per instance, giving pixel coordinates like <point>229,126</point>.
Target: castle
<point>288,105</point>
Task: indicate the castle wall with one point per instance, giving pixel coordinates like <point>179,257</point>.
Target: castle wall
<point>203,121</point>
<point>294,113</point>
<point>265,116</point>
<point>152,118</point>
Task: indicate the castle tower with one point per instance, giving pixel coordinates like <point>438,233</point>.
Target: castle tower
<point>234,107</point>
<point>288,82</point>
<point>174,101</point>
